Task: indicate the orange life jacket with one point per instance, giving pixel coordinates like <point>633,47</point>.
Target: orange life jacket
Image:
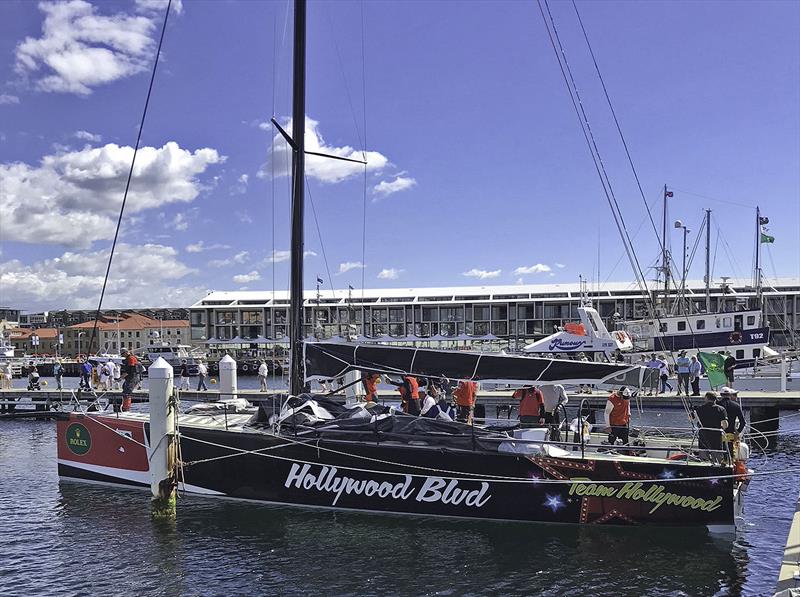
<point>410,386</point>
<point>465,393</point>
<point>620,415</point>
<point>371,385</point>
<point>531,402</point>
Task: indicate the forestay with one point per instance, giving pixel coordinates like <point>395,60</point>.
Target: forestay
<point>329,360</point>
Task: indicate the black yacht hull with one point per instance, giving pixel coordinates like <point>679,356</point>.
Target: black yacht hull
<point>419,480</point>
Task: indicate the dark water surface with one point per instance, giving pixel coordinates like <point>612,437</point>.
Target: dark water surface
<point>69,538</point>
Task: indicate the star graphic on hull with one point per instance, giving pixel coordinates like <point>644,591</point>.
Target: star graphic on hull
<point>554,502</point>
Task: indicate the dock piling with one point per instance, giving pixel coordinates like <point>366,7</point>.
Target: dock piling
<point>227,378</point>
<point>161,451</point>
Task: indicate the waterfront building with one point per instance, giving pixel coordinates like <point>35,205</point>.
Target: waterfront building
<point>131,331</point>
<point>516,314</point>
<point>67,317</point>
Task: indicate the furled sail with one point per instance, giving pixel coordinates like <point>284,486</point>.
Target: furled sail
<point>328,360</point>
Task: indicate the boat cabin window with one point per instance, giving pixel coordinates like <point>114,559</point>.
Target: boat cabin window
<point>701,324</point>
<point>662,327</point>
<point>756,353</point>
<point>681,326</point>
<point>726,322</point>
<point>740,354</point>
<point>751,320</point>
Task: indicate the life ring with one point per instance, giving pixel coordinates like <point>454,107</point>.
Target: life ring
<point>678,456</point>
<point>735,337</point>
<point>212,366</point>
<point>245,367</point>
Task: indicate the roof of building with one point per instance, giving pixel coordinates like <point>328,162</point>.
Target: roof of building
<point>25,333</point>
<point>467,293</point>
<point>133,321</point>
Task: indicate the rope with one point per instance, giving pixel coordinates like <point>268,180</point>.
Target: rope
<point>130,177</point>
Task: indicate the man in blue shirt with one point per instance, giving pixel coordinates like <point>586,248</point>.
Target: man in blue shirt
<point>695,369</point>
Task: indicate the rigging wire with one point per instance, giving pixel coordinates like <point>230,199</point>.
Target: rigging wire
<point>319,234</point>
<point>736,203</point>
<point>619,128</point>
<point>364,105</point>
<point>130,175</point>
<point>593,149</point>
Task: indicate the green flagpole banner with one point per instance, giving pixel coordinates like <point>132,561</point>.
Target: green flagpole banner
<point>766,238</point>
<point>714,364</point>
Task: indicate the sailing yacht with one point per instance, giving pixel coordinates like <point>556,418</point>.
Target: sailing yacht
<point>312,451</point>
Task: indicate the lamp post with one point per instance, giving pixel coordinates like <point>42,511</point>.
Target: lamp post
<point>679,224</point>
<point>79,343</point>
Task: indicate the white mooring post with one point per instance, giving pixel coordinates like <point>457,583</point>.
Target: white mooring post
<point>162,439</point>
<point>227,378</point>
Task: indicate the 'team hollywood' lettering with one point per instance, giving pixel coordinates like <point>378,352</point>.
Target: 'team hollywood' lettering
<point>433,489</point>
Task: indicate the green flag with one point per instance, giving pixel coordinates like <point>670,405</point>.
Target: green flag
<point>766,238</point>
<point>714,364</point>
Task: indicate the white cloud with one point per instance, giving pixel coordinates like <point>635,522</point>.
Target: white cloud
<point>538,268</point>
<point>241,257</point>
<point>244,178</point>
<point>200,246</point>
<point>77,195</point>
<point>179,222</point>
<point>87,136</point>
<point>159,6</point>
<point>390,273</point>
<point>141,276</point>
<point>80,49</point>
<point>6,98</point>
<point>384,188</point>
<point>520,281</point>
<point>482,274</point>
<point>349,265</point>
<point>246,278</point>
<point>322,169</point>
<point>244,217</point>
<point>560,265</point>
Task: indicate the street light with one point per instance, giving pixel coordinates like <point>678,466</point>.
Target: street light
<point>79,343</point>
<point>679,224</point>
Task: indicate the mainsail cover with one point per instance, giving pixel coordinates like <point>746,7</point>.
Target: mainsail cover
<point>329,360</point>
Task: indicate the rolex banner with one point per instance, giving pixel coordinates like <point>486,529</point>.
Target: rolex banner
<point>714,365</point>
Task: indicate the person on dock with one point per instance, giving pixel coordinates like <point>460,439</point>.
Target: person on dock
<point>105,375</point>
<point>663,374</point>
<point>7,377</point>
<point>202,374</point>
<point>58,373</point>
<point>713,421</point>
<point>130,376</point>
<point>86,375</point>
<point>654,374</point>
<point>553,396</point>
<point>370,381</point>
<point>729,367</point>
<point>735,416</point>
<point>184,385</point>
<point>263,372</point>
<point>116,370</point>
<point>682,363</point>
<point>618,411</point>
<point>465,395</point>
<point>695,370</point>
<point>531,406</point>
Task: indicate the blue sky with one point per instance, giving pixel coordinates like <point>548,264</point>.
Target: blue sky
<point>478,172</point>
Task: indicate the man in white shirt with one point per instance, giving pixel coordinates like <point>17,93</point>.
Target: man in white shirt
<point>202,373</point>
<point>263,372</point>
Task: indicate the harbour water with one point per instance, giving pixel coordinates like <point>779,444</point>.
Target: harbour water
<point>70,538</point>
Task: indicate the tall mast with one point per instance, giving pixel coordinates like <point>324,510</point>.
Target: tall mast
<point>757,271</point>
<point>665,253</point>
<point>296,382</point>
<point>708,261</point>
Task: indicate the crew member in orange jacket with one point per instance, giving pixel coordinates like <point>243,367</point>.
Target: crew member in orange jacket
<point>409,394</point>
<point>465,395</point>
<point>370,382</point>
<point>618,410</point>
<point>531,406</point>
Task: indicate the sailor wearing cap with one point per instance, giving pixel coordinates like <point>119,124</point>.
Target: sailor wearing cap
<point>618,411</point>
<point>736,422</point>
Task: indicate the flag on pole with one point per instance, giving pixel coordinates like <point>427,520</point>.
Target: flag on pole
<point>349,287</point>
<point>669,194</point>
<point>766,238</point>
<point>714,364</point>
<point>320,280</point>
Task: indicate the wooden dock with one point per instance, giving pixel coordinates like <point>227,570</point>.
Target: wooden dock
<point>789,575</point>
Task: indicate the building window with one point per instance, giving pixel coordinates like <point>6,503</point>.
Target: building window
<point>701,324</point>
<point>198,318</point>
<point>681,326</point>
<point>226,317</point>
<point>756,353</point>
<point>251,317</point>
<point>751,320</point>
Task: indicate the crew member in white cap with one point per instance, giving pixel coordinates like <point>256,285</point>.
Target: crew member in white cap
<point>736,422</point>
<point>618,411</point>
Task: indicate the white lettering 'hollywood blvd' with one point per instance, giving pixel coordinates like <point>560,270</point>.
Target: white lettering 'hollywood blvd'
<point>434,489</point>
